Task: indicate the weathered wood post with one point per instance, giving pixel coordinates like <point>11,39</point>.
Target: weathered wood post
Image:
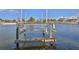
<point>50,34</point>
<point>17,35</point>
<point>50,31</point>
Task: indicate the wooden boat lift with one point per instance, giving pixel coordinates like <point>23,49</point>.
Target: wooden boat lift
<point>34,42</point>
<point>25,43</point>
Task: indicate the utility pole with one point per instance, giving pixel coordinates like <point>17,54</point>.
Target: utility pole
<point>46,15</point>
<point>21,14</point>
<point>42,17</point>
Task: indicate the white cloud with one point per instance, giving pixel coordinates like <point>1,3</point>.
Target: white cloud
<point>1,10</point>
<point>13,10</point>
<point>9,10</point>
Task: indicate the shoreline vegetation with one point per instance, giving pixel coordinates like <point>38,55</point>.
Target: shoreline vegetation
<point>40,23</point>
<point>32,20</point>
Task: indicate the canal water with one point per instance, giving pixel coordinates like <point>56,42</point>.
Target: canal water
<point>67,36</point>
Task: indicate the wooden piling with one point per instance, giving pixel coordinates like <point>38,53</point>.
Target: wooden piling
<point>17,36</point>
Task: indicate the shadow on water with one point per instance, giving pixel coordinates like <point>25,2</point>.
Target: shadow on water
<point>38,48</point>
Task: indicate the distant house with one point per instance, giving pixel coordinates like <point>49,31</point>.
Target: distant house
<point>72,19</point>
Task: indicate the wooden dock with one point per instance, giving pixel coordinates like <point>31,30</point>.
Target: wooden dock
<point>37,42</point>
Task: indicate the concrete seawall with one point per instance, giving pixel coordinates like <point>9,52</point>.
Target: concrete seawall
<point>8,23</point>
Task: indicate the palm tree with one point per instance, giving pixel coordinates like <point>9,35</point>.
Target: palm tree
<point>31,20</point>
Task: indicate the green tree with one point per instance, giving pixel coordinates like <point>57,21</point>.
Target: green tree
<point>44,20</point>
<point>53,20</point>
<point>13,20</point>
<point>31,20</point>
<point>23,19</point>
<point>61,19</point>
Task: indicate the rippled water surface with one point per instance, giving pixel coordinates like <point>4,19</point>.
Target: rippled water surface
<point>67,36</point>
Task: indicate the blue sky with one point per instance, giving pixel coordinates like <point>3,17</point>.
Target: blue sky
<point>37,13</point>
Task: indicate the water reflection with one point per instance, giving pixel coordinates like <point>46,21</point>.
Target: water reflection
<point>67,36</point>
<point>31,27</point>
